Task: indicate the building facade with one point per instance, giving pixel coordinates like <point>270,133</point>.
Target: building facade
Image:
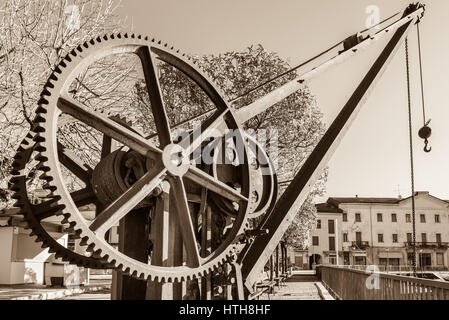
<point>378,231</point>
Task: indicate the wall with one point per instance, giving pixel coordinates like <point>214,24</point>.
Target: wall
<point>6,239</point>
<point>22,260</point>
<point>323,247</point>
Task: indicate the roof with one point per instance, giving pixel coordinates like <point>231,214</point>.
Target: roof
<point>332,205</point>
<point>337,201</point>
<point>326,207</point>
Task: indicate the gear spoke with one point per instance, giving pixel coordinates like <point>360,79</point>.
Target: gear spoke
<point>127,201</point>
<point>106,125</point>
<point>155,95</point>
<point>50,207</point>
<point>106,146</point>
<point>74,164</point>
<point>215,185</point>
<point>207,127</point>
<point>185,222</point>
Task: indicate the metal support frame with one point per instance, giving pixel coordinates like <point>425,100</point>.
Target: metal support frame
<point>174,231</point>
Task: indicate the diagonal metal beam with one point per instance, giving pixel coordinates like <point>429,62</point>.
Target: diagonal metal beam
<point>256,254</point>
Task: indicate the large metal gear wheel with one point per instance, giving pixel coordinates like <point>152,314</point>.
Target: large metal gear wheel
<point>160,166</point>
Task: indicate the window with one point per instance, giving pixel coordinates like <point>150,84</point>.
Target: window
<point>358,217</point>
<point>379,217</point>
<point>424,238</point>
<point>345,237</point>
<point>345,217</point>
<point>380,238</point>
<point>318,224</point>
<point>440,259</point>
<point>422,218</point>
<point>408,218</point>
<point>437,218</point>
<point>409,238</point>
<point>331,226</point>
<point>395,238</point>
<point>358,237</point>
<point>360,261</point>
<point>331,243</point>
<point>438,237</point>
<point>315,241</point>
<point>394,217</point>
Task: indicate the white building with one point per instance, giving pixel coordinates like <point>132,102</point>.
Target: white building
<point>361,231</point>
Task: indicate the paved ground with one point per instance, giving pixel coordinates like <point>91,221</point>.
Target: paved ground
<point>300,286</point>
<point>100,295</point>
<point>297,287</point>
<point>11,292</point>
<point>39,292</point>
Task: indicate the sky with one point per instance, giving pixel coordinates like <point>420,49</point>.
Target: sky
<point>373,159</point>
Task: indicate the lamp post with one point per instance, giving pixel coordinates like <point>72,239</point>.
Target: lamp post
<point>388,261</point>
<point>336,239</point>
<point>420,260</point>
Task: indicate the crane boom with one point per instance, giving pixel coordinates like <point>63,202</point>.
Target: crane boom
<point>247,112</point>
<point>256,254</point>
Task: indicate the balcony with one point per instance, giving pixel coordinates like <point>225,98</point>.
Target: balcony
<point>442,245</point>
<point>360,245</point>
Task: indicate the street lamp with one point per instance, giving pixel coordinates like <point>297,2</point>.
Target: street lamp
<point>388,262</point>
<point>420,260</point>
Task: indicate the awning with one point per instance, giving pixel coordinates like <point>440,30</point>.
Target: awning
<point>361,254</point>
<point>390,255</point>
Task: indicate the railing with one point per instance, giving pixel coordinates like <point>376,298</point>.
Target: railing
<point>427,244</point>
<point>362,245</point>
<point>399,268</point>
<point>350,284</point>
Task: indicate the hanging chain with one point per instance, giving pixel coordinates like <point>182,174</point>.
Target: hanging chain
<point>412,173</point>
<point>421,76</point>
<point>425,132</point>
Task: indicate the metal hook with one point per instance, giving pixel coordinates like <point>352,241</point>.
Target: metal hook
<point>426,147</point>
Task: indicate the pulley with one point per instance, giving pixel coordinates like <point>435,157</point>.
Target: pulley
<point>425,133</point>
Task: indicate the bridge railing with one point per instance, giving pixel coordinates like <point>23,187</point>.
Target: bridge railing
<point>350,284</point>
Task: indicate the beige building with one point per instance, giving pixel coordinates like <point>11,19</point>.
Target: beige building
<point>23,260</point>
<point>366,231</point>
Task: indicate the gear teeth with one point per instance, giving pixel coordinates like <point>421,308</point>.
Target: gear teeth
<point>41,158</point>
<point>38,129</point>
<point>45,177</point>
<point>83,241</point>
<point>42,167</point>
<point>41,101</point>
<point>49,187</point>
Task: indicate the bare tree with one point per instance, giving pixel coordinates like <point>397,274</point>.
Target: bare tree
<point>34,36</point>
